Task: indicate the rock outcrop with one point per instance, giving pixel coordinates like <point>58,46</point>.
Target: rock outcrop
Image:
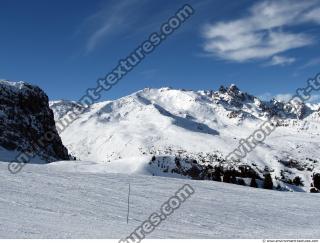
<point>27,123</point>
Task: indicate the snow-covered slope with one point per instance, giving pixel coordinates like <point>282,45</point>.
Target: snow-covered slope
<point>56,201</point>
<point>182,133</point>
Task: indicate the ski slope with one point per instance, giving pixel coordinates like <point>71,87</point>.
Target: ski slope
<point>60,200</point>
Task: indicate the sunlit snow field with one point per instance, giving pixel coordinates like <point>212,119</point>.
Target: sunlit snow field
<point>55,201</point>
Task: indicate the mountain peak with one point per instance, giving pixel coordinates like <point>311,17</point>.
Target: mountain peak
<point>233,88</point>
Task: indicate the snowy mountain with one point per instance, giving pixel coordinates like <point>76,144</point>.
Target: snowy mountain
<point>188,134</point>
<point>162,132</point>
<point>25,117</point>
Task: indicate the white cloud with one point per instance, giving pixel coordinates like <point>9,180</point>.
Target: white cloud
<point>280,97</point>
<point>262,33</point>
<point>265,96</point>
<point>285,97</point>
<point>109,19</point>
<point>101,33</point>
<point>314,99</point>
<point>281,60</point>
<point>313,15</point>
<point>313,62</point>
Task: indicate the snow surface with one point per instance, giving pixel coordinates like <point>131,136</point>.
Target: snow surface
<point>17,87</point>
<point>69,200</point>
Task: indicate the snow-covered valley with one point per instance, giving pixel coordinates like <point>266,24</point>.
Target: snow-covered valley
<point>58,200</point>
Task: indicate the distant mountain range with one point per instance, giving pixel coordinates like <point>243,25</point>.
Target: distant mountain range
<point>168,132</point>
<point>180,133</point>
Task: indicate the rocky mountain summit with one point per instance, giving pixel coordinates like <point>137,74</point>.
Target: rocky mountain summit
<point>26,120</point>
<point>242,103</point>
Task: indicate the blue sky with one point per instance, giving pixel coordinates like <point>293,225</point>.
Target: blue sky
<point>265,47</point>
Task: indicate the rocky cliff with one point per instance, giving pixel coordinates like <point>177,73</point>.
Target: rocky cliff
<point>27,123</point>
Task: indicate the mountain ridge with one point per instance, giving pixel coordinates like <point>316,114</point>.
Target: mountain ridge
<point>170,132</point>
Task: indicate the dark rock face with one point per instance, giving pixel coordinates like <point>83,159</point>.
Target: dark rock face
<point>27,123</point>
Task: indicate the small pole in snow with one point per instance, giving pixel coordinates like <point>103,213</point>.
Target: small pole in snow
<point>128,205</point>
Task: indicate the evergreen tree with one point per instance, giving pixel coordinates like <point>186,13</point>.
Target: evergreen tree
<point>177,161</point>
<point>241,182</point>
<point>217,174</point>
<point>316,181</point>
<point>227,177</point>
<point>298,181</point>
<point>267,183</point>
<point>234,179</point>
<point>253,182</point>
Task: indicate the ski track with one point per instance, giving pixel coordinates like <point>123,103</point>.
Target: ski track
<point>53,201</point>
